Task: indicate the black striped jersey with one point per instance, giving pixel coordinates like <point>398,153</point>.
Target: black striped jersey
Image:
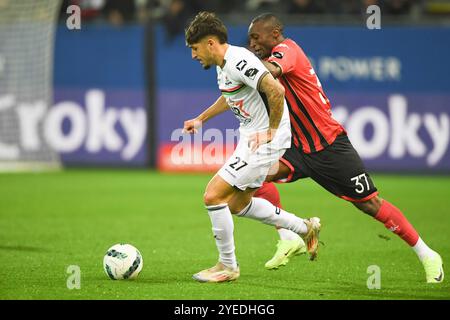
<point>313,127</point>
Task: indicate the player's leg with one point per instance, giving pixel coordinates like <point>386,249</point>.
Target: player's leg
<point>244,204</point>
<point>237,171</point>
<point>265,212</point>
<point>247,171</point>
<point>269,192</point>
<point>340,170</point>
<point>216,197</point>
<point>290,243</point>
<point>288,169</point>
<point>394,220</point>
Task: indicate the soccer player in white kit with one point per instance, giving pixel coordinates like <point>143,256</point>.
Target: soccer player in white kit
<point>257,100</point>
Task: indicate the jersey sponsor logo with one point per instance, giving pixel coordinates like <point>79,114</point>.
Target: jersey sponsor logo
<point>251,73</point>
<point>241,65</point>
<point>278,54</point>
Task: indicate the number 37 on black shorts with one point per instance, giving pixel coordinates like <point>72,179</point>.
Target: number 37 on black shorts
<point>337,168</point>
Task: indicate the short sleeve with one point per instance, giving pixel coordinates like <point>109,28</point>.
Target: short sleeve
<point>248,69</point>
<point>283,56</point>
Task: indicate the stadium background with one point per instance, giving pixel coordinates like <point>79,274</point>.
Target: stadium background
<point>389,87</point>
<point>123,85</point>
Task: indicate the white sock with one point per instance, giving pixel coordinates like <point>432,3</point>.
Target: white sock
<point>262,210</point>
<point>286,234</point>
<point>223,227</point>
<point>422,250</point>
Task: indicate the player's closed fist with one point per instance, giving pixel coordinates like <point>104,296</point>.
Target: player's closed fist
<point>191,126</point>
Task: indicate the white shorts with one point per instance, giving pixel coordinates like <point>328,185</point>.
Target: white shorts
<point>247,169</point>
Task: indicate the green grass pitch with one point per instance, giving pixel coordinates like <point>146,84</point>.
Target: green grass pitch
<point>53,220</point>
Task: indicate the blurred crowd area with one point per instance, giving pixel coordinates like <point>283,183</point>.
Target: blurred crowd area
<point>174,14</point>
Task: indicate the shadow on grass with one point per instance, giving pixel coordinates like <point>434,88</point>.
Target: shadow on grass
<point>147,281</point>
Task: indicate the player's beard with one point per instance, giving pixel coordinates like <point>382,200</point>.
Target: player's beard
<point>206,65</point>
<point>264,54</point>
<point>258,54</point>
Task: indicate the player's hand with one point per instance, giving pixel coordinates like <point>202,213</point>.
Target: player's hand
<point>259,138</point>
<point>191,126</point>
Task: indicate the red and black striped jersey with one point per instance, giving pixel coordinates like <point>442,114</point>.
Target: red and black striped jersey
<point>313,127</point>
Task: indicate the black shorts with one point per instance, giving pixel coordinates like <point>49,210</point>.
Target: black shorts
<point>338,168</point>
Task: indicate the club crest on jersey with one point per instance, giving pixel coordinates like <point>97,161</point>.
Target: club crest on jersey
<point>251,73</point>
<point>278,54</point>
<point>237,106</point>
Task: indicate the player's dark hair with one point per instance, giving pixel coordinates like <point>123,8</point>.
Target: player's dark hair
<point>271,19</point>
<point>205,24</point>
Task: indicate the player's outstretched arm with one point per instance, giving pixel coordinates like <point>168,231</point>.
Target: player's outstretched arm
<point>218,107</point>
<point>274,92</point>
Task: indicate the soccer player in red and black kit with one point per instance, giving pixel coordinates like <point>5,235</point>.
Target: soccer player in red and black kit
<point>321,149</point>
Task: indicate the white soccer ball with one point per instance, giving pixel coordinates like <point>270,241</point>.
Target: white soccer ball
<point>122,261</point>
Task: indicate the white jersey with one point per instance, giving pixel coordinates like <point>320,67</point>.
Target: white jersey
<point>238,81</point>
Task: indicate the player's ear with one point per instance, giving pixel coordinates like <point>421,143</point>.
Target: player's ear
<point>210,42</point>
<point>275,33</point>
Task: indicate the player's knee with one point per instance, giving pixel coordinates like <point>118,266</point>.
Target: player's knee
<point>371,206</point>
<point>211,198</point>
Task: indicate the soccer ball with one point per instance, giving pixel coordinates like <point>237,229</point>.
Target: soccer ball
<point>122,261</point>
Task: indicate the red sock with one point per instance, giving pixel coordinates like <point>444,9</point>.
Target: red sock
<point>269,192</point>
<point>395,221</point>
